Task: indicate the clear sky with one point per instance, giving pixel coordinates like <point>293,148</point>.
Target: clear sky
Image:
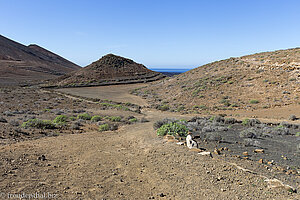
<point>157,33</point>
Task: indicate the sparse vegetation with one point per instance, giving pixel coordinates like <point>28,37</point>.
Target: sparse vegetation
<point>37,123</point>
<point>172,128</point>
<point>72,118</point>
<point>117,106</point>
<point>61,119</point>
<point>84,116</point>
<point>254,101</point>
<point>245,122</point>
<point>133,120</point>
<point>104,127</point>
<point>113,118</point>
<point>164,107</point>
<point>96,118</point>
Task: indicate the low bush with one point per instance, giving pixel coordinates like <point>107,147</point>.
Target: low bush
<point>254,101</point>
<point>117,106</point>
<point>245,122</point>
<point>212,118</point>
<point>96,118</point>
<point>61,119</point>
<point>113,118</point>
<point>72,118</point>
<point>159,123</point>
<point>133,120</point>
<point>37,123</point>
<point>104,127</point>
<point>108,127</point>
<point>84,116</point>
<point>163,107</point>
<point>174,129</point>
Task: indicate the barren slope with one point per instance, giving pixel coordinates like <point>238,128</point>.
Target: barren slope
<point>110,69</point>
<point>20,63</point>
<point>263,80</point>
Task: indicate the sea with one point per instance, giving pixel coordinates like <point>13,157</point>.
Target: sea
<point>170,71</point>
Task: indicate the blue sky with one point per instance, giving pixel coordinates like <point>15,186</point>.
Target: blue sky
<point>157,33</point>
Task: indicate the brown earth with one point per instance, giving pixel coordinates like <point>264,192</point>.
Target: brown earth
<point>264,80</point>
<point>130,163</point>
<point>20,63</point>
<point>118,93</point>
<point>108,70</point>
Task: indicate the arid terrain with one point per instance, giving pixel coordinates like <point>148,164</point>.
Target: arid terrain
<point>71,158</point>
<point>258,81</point>
<point>117,130</point>
<point>20,64</point>
<point>108,70</point>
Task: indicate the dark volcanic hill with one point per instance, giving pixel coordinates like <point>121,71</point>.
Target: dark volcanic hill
<point>110,69</point>
<point>19,63</point>
<point>262,80</point>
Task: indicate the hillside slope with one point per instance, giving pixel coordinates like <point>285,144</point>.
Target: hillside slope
<point>262,80</point>
<point>110,69</point>
<point>20,63</point>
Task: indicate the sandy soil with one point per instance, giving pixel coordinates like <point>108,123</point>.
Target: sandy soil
<point>130,163</point>
<point>118,93</point>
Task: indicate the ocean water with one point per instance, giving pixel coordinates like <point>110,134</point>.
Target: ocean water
<point>179,71</point>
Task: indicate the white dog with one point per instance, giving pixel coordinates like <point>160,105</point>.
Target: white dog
<point>191,143</point>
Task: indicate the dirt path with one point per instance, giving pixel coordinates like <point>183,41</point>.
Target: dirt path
<point>131,163</point>
<point>118,93</point>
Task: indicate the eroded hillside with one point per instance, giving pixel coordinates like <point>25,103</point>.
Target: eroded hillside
<point>262,80</point>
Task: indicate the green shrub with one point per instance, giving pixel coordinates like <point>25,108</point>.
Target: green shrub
<point>181,108</point>
<point>84,116</point>
<point>234,105</point>
<point>195,92</point>
<point>173,128</point>
<point>245,122</point>
<point>297,134</point>
<point>163,107</point>
<point>61,119</point>
<point>118,106</point>
<point>133,120</point>
<point>104,127</point>
<point>72,118</point>
<point>279,126</point>
<point>96,118</point>
<point>113,118</point>
<point>254,101</point>
<point>37,123</point>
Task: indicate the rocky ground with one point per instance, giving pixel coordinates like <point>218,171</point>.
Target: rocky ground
<point>275,146</point>
<point>74,159</point>
<point>259,81</point>
<point>21,105</point>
